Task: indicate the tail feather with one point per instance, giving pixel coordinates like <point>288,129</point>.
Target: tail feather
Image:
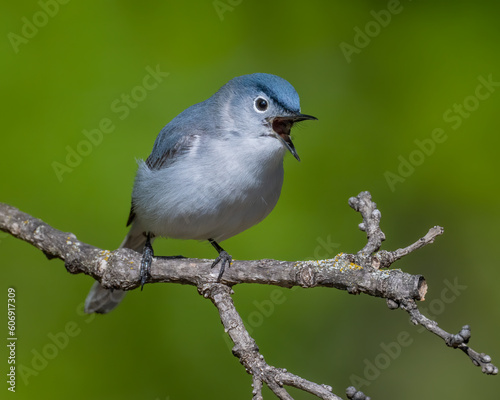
<point>102,301</point>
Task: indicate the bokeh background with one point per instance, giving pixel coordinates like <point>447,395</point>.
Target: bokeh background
<point>380,76</point>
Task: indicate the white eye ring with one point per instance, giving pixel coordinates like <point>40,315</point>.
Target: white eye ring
<point>260,104</point>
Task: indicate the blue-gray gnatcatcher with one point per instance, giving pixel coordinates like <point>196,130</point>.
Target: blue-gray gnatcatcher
<point>215,170</point>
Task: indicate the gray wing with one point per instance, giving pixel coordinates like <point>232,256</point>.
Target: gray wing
<point>176,138</point>
<point>179,134</point>
<point>165,154</point>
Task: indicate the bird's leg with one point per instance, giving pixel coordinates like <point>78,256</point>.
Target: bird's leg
<point>223,257</point>
<point>147,258</point>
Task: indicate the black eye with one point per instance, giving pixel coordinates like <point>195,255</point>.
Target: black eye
<point>261,104</point>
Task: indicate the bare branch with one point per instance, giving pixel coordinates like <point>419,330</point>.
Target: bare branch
<point>383,259</point>
<point>369,256</point>
<point>119,269</point>
<point>458,341</point>
<point>356,273</point>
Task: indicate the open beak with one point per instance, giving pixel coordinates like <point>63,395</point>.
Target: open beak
<point>283,125</point>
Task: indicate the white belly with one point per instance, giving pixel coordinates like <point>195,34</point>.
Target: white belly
<point>213,191</point>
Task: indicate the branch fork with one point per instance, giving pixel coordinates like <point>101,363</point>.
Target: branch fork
<point>357,273</point>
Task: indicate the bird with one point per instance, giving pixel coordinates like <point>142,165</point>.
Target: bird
<point>215,170</point>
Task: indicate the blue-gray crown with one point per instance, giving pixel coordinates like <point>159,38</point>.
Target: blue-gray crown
<point>280,91</point>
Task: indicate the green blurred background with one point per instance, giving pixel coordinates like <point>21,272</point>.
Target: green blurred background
<point>373,102</point>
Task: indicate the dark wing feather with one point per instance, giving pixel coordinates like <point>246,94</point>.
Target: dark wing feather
<point>159,160</point>
<point>131,216</point>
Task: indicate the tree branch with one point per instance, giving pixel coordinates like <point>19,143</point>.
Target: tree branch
<point>119,269</point>
<point>356,273</point>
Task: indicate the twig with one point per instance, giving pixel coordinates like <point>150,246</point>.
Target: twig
<point>257,388</point>
<point>458,341</point>
<point>371,225</point>
<point>385,258</point>
<point>369,256</point>
<point>363,204</point>
<point>354,394</point>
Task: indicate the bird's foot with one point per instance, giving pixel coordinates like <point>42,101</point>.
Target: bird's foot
<point>224,258</point>
<point>147,259</point>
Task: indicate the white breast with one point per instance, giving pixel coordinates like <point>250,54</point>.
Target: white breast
<point>217,190</point>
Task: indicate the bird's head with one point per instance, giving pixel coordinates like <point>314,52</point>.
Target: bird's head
<point>263,105</point>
